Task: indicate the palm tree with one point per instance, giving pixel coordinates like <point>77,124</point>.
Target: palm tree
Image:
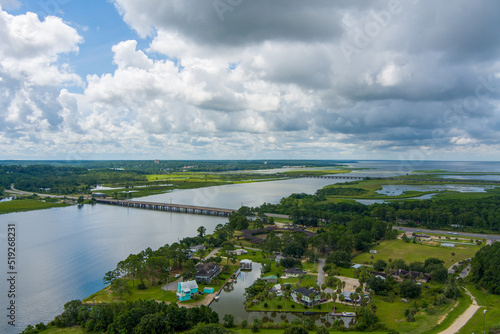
<point>312,296</point>
<point>299,297</point>
<point>341,298</point>
<point>286,294</point>
<point>334,297</point>
<point>354,299</point>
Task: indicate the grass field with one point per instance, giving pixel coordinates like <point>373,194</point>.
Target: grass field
<point>152,292</point>
<point>492,316</point>
<point>398,249</point>
<point>20,205</point>
<point>371,186</point>
<point>69,330</point>
<point>279,304</point>
<point>392,314</point>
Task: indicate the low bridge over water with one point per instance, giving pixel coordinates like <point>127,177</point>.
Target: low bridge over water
<point>343,177</point>
<point>181,208</point>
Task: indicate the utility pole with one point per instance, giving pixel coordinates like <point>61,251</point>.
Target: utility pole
<point>484,318</point>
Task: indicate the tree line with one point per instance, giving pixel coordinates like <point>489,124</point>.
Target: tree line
<point>468,214</point>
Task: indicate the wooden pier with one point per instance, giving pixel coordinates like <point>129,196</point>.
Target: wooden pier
<point>180,208</point>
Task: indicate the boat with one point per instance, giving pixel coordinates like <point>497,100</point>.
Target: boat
<point>216,297</point>
<point>348,314</point>
<point>335,314</point>
<point>309,312</point>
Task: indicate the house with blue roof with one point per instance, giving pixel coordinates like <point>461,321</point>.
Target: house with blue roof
<point>185,290</point>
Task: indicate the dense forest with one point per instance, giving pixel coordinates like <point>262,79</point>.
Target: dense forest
<point>62,180</point>
<point>160,166</point>
<point>139,317</point>
<point>465,214</point>
<point>485,268</point>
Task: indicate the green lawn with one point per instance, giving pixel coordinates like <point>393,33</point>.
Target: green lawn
<point>20,205</point>
<point>69,330</point>
<point>152,292</point>
<point>398,249</point>
<point>279,304</point>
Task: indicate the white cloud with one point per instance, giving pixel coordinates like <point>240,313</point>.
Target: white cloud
<point>269,80</point>
<point>30,49</point>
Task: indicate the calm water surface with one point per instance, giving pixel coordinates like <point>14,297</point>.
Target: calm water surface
<point>232,302</point>
<point>63,253</point>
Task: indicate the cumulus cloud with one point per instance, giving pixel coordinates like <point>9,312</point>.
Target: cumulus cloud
<point>283,79</point>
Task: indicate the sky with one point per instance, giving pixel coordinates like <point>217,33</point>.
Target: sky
<point>250,79</point>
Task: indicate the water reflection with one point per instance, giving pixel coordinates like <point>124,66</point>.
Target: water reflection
<point>232,301</point>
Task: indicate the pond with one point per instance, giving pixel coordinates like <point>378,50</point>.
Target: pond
<point>232,301</point>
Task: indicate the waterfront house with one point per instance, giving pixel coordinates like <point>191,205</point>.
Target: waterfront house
<point>294,272</point>
<point>206,272</point>
<point>270,279</point>
<point>239,251</point>
<point>246,264</point>
<point>277,289</point>
<point>306,296</point>
<point>185,290</point>
<point>196,248</point>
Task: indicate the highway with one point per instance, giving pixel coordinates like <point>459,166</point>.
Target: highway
<point>491,237</point>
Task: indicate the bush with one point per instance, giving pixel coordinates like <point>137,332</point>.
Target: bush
<point>141,286</point>
<point>280,307</point>
<point>244,324</point>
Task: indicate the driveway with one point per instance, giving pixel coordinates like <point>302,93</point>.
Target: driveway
<point>321,273</point>
<point>171,286</point>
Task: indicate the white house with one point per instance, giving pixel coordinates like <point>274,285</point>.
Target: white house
<point>246,264</point>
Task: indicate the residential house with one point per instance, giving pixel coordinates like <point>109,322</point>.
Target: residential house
<point>294,272</point>
<point>270,279</point>
<point>306,296</point>
<point>239,251</point>
<point>277,289</point>
<point>185,290</point>
<point>246,264</point>
<point>206,272</point>
<point>347,297</point>
<point>196,248</point>
<point>413,275</point>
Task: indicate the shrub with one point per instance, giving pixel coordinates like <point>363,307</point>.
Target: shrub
<point>141,286</point>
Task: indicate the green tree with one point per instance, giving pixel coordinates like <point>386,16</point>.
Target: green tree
<point>201,231</point>
<point>295,330</point>
<point>380,265</point>
<point>228,320</point>
<point>410,289</point>
<point>110,277</point>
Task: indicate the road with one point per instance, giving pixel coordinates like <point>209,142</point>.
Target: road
<point>212,253</point>
<point>17,192</point>
<point>321,273</point>
<point>492,237</point>
<point>463,318</point>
